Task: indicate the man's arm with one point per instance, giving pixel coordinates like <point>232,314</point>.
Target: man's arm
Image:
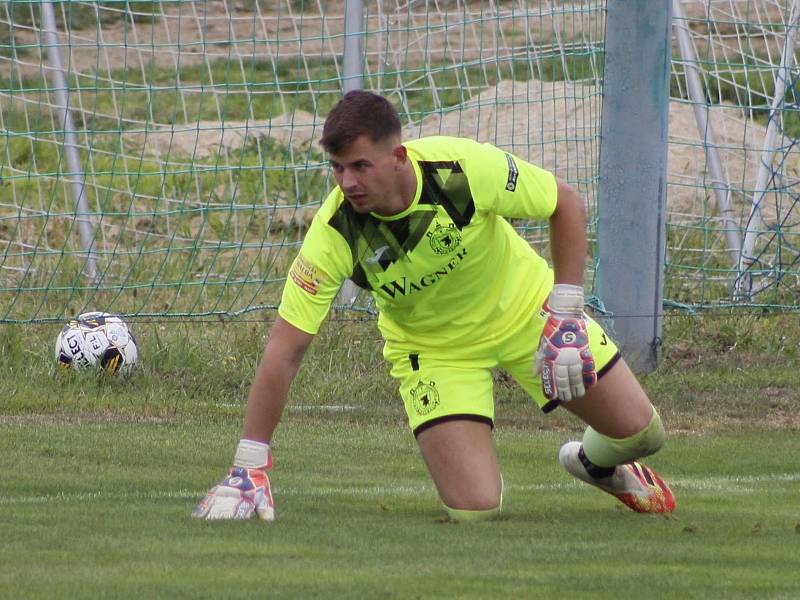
<point>568,246</point>
<point>246,490</point>
<point>564,360</point>
<point>270,388</point>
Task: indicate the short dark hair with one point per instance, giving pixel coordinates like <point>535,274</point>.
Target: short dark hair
<point>359,113</point>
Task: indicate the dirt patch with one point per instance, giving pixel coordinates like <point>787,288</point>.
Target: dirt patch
<point>398,37</point>
<point>552,124</point>
<point>204,139</point>
<point>555,125</point>
<point>710,423</point>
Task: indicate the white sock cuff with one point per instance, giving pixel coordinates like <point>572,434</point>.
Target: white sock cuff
<point>251,454</point>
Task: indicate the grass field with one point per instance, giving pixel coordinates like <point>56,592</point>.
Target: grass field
<point>98,478</point>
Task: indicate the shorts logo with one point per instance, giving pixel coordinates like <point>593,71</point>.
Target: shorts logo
<point>425,397</point>
<point>513,173</point>
<point>444,239</point>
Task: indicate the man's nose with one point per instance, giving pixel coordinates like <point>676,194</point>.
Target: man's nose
<point>348,179</point>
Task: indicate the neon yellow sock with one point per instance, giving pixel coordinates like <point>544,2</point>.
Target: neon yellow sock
<point>604,451</point>
<point>472,516</point>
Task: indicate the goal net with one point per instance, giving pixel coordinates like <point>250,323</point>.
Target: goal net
<point>160,159</point>
<point>734,161</point>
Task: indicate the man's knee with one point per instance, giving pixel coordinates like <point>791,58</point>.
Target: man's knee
<point>478,499</point>
<point>483,507</point>
<point>605,451</point>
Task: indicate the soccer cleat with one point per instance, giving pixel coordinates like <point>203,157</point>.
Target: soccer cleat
<point>636,485</point>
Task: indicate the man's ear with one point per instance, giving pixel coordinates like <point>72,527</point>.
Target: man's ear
<point>400,154</point>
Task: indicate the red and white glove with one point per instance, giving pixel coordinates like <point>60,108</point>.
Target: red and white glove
<point>245,491</point>
<point>564,360</point>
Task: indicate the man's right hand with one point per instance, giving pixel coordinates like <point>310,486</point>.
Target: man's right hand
<point>246,488</point>
<point>241,494</point>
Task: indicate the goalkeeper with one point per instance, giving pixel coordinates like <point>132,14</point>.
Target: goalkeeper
<point>422,226</point>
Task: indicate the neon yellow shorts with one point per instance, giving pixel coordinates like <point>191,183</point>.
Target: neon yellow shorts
<point>447,384</point>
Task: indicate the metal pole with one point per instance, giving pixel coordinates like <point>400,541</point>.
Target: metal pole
<point>353,62</point>
<point>74,175</point>
<point>719,181</point>
<point>744,282</point>
<point>352,75</point>
<point>632,183</point>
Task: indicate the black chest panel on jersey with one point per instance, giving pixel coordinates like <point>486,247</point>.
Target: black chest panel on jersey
<point>376,244</point>
<point>445,184</point>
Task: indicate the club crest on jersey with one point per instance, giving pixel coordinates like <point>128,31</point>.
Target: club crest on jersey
<point>444,239</point>
<point>425,397</point>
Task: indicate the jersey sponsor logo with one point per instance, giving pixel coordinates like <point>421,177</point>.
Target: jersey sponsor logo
<point>425,397</point>
<point>444,240</point>
<point>513,173</point>
<point>306,275</point>
<point>406,287</point>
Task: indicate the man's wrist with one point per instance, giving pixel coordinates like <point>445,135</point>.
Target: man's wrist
<point>252,455</point>
<point>566,298</point>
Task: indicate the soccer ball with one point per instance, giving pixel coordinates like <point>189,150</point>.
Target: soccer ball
<point>97,339</point>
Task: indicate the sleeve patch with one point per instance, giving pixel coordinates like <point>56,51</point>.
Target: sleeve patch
<point>306,275</point>
<point>513,173</point>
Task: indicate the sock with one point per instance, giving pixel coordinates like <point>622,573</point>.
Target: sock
<point>594,470</point>
<point>603,451</point>
<point>472,516</point>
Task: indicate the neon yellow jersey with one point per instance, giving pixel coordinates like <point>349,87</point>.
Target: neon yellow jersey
<point>447,270</point>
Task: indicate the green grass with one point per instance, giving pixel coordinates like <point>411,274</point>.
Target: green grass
<point>98,477</point>
<point>102,509</point>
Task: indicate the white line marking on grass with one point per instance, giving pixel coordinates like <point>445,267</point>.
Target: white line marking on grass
<point>63,498</point>
<point>731,483</point>
<point>735,484</point>
<point>326,407</point>
<point>305,407</point>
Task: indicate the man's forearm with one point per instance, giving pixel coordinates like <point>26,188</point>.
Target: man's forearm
<point>266,401</point>
<point>568,245</point>
<point>270,388</point>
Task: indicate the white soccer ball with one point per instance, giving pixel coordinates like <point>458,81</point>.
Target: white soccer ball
<point>97,340</point>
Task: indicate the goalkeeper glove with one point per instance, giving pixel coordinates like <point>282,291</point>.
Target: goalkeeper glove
<point>245,490</point>
<point>564,360</point>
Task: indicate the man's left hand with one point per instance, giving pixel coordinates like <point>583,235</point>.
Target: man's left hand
<point>564,360</point>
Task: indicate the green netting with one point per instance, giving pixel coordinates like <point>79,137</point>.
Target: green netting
<point>734,220</point>
<point>188,172</point>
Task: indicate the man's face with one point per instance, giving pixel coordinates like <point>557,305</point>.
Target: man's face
<point>368,174</point>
